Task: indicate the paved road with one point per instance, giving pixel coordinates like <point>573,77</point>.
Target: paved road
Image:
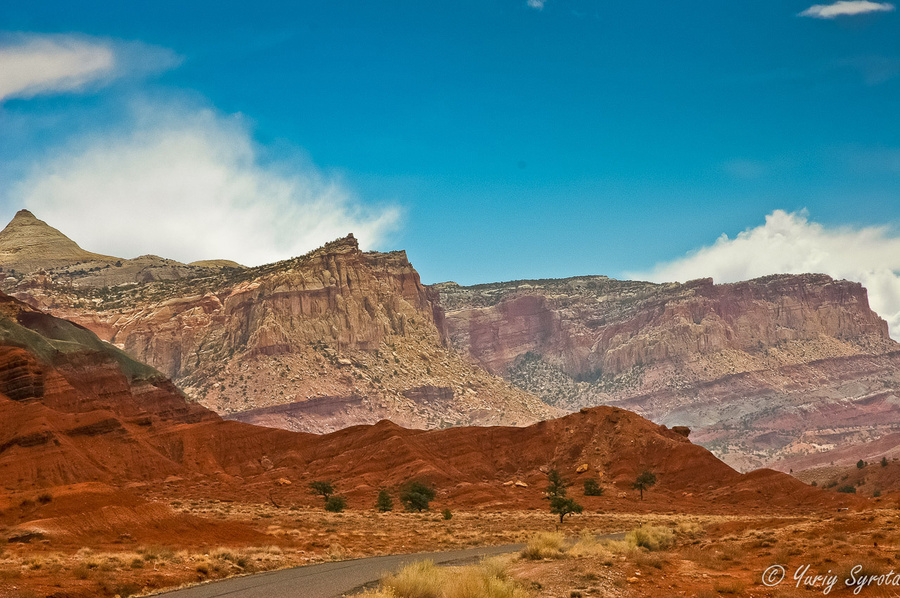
<point>328,580</point>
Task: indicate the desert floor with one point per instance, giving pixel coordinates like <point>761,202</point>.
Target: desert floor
<point>704,555</point>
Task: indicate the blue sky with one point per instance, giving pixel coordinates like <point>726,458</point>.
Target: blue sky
<point>491,140</point>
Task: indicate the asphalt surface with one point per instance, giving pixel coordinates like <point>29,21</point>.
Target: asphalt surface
<point>328,580</point>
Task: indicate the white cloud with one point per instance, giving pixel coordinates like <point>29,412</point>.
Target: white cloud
<point>42,64</point>
<point>190,184</point>
<point>537,4</point>
<point>790,243</point>
<point>844,8</point>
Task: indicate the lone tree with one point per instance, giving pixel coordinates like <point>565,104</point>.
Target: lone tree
<point>560,504</point>
<point>384,503</point>
<point>860,464</point>
<point>416,496</point>
<point>884,461</point>
<point>644,481</point>
<point>592,488</point>
<point>323,488</point>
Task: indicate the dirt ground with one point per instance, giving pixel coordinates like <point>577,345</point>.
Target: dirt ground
<point>723,555</point>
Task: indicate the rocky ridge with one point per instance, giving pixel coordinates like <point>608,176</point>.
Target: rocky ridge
<point>738,363</point>
<point>355,333</point>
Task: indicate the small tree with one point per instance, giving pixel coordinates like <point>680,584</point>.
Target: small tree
<point>592,488</point>
<point>557,488</point>
<point>563,506</point>
<point>447,514</point>
<point>644,481</point>
<point>416,496</point>
<point>323,488</point>
<point>884,461</point>
<point>384,502</point>
<point>556,484</point>
<point>335,504</point>
<point>860,464</point>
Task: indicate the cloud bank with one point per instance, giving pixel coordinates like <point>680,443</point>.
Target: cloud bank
<point>844,8</point>
<point>190,184</point>
<point>790,243</point>
<point>34,65</point>
<point>536,4</point>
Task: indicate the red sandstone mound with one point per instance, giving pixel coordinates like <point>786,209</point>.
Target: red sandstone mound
<point>76,410</point>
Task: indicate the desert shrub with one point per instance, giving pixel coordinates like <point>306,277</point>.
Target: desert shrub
<point>860,464</point>
<point>417,496</point>
<point>876,493</point>
<point>335,504</point>
<point>544,545</point>
<point>651,537</point>
<point>592,488</point>
<point>384,502</point>
<point>44,498</point>
<point>884,461</point>
<point>731,586</point>
<point>447,515</point>
<point>847,489</point>
<point>690,529</point>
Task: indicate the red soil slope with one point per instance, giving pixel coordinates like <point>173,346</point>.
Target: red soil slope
<point>73,410</point>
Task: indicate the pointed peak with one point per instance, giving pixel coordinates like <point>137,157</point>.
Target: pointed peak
<point>24,215</point>
<point>28,243</point>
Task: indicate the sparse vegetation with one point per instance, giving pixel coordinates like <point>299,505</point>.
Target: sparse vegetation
<point>447,514</point>
<point>847,489</point>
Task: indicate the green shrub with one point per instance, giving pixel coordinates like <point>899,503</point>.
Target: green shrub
<point>847,489</point>
<point>384,502</point>
<point>417,496</point>
<point>592,488</point>
<point>447,514</point>
<point>335,504</point>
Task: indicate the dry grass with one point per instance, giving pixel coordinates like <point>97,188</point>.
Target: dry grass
<point>544,545</point>
<point>652,537</point>
<point>425,580</point>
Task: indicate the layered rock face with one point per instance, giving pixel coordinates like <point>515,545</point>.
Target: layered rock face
<point>340,326</point>
<point>98,416</point>
<point>678,353</point>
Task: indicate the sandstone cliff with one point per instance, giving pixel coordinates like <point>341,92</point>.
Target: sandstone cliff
<point>351,336</point>
<point>694,354</point>
<point>75,410</point>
